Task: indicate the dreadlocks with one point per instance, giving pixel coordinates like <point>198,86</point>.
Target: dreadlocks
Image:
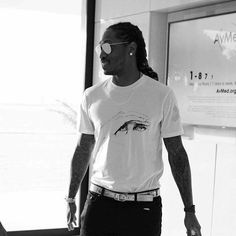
<point>131,33</point>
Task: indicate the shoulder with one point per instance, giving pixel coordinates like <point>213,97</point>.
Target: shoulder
<point>157,87</point>
<point>96,89</point>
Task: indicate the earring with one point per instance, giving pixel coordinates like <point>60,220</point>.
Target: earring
<point>131,54</point>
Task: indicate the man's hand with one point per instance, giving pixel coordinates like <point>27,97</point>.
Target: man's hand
<point>192,225</point>
<point>71,218</point>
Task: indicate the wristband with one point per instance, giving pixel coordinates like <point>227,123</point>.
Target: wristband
<point>70,200</point>
<point>190,209</point>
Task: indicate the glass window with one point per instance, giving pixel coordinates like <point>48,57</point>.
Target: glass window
<point>42,78</point>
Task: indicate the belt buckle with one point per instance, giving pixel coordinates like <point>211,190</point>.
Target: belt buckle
<point>144,198</point>
<point>120,197</point>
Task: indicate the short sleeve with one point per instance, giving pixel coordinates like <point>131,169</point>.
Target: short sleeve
<point>171,122</point>
<point>84,123</point>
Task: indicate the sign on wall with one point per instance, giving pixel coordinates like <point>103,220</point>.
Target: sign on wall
<point>202,69</point>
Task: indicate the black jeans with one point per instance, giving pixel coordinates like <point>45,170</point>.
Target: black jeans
<point>103,216</point>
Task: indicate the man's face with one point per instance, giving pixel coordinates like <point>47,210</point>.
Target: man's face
<point>115,62</point>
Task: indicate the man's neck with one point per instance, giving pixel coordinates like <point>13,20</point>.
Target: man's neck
<point>126,79</point>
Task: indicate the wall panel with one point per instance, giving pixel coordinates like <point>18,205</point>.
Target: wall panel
<point>224,217</point>
<point>174,5</point>
<point>202,160</point>
<point>110,9</point>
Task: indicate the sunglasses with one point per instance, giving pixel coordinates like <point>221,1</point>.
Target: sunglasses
<point>106,47</point>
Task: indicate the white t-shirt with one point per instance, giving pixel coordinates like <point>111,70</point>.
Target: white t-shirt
<point>128,124</point>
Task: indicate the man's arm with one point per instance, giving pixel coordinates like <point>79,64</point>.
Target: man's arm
<point>180,168</point>
<point>80,162</point>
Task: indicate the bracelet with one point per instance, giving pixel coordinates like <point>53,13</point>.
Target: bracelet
<point>70,200</point>
<point>190,209</point>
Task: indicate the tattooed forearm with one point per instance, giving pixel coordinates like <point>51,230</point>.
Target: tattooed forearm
<point>180,168</point>
<point>80,162</point>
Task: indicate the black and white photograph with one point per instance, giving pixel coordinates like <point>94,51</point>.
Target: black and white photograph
<point>117,117</point>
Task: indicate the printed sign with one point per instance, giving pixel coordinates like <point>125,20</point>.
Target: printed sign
<point>202,69</point>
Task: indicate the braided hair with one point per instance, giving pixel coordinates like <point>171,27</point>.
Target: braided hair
<point>131,33</point>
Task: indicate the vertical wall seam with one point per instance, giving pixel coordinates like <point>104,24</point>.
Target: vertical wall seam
<point>214,186</point>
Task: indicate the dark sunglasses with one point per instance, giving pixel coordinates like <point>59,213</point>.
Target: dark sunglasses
<point>106,47</point>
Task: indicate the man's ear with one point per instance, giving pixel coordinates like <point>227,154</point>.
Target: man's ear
<point>132,48</point>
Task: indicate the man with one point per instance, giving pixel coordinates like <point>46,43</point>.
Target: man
<point>122,122</point>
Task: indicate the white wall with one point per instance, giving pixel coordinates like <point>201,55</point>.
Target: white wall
<point>174,5</point>
<point>110,9</point>
<point>211,150</point>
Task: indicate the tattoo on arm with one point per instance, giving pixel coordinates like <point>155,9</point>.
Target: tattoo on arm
<point>80,162</point>
<point>180,168</point>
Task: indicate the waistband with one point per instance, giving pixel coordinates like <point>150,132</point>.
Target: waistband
<point>146,196</point>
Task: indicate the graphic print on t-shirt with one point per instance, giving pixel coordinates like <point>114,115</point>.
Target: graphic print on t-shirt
<point>126,122</point>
